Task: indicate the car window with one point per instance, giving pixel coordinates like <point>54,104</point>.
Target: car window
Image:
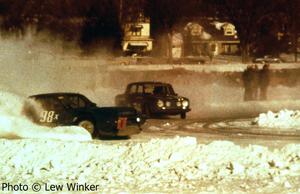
<point>74,100</point>
<point>132,89</point>
<point>158,90</point>
<point>149,88</point>
<point>69,101</point>
<point>81,103</point>
<point>170,89</point>
<point>140,89</point>
<point>85,102</point>
<point>49,103</point>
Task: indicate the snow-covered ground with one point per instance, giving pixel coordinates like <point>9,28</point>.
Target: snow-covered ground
<point>159,165</point>
<point>285,119</point>
<point>164,165</point>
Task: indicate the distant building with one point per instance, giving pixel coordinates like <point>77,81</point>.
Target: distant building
<point>211,38</point>
<point>136,36</point>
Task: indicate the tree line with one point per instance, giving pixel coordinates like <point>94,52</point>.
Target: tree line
<point>260,23</point>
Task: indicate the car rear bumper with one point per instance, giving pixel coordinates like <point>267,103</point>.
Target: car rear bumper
<point>129,130</point>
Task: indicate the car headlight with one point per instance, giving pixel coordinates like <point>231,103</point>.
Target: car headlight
<point>185,103</point>
<point>160,103</point>
<point>178,103</point>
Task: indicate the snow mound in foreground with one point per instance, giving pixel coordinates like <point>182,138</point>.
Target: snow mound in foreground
<point>283,119</point>
<point>159,165</point>
<point>15,125</point>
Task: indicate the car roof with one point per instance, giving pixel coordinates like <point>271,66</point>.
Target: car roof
<point>148,82</point>
<point>54,94</point>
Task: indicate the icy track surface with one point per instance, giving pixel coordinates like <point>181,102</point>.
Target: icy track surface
<point>159,165</point>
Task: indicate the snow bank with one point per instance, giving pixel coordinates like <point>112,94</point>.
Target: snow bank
<point>169,165</point>
<point>218,67</point>
<point>287,119</point>
<point>15,125</point>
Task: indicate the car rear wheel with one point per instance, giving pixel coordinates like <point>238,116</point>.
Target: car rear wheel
<point>88,125</point>
<point>183,115</point>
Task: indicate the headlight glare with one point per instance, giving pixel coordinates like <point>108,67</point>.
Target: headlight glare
<point>185,103</point>
<point>160,103</point>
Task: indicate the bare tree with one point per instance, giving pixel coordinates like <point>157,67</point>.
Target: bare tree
<point>291,9</point>
<point>165,15</point>
<point>247,16</point>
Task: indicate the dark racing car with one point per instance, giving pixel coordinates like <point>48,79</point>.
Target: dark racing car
<point>64,109</point>
<point>154,98</point>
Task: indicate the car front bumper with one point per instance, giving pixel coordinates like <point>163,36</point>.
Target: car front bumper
<point>170,111</point>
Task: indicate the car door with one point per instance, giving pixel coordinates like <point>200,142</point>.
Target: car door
<point>140,98</point>
<point>50,112</point>
<point>65,108</point>
<point>135,95</point>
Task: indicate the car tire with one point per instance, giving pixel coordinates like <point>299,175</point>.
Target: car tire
<point>183,115</point>
<point>88,125</point>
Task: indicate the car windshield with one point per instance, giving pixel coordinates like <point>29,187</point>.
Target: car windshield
<point>75,101</point>
<point>159,89</point>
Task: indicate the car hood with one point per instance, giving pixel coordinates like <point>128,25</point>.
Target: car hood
<point>171,97</point>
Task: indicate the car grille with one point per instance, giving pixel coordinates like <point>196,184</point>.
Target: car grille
<point>173,104</point>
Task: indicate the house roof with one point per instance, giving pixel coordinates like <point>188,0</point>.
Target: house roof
<point>215,30</point>
<point>218,35</point>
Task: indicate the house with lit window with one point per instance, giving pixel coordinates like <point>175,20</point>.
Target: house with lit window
<point>211,38</point>
<point>225,38</point>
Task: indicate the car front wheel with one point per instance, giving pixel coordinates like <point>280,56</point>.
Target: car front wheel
<point>88,125</point>
<point>146,110</point>
<point>183,115</point>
